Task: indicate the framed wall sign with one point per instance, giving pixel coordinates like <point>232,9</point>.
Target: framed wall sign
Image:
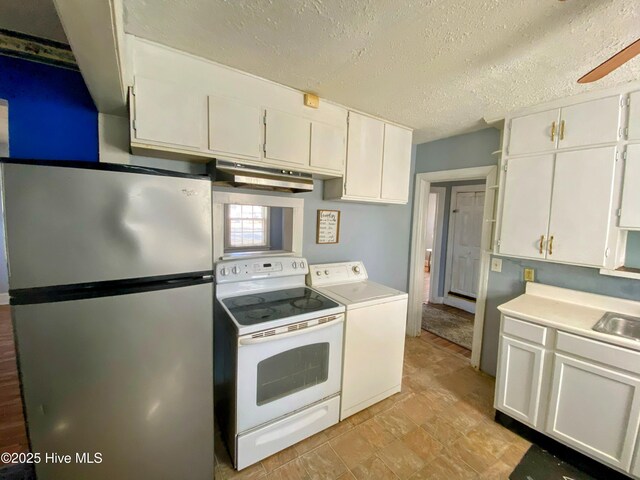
<point>328,226</point>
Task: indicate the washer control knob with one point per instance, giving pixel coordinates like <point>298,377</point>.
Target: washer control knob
<point>235,270</point>
<point>356,269</point>
<point>301,264</point>
<point>224,271</point>
<point>294,265</point>
<point>326,272</point>
<point>318,272</point>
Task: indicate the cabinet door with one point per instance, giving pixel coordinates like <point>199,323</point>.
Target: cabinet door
<point>396,163</point>
<point>581,206</point>
<point>519,380</point>
<point>590,123</point>
<point>635,469</point>
<point>287,138</point>
<point>630,211</point>
<point>169,114</point>
<point>328,147</point>
<point>634,116</point>
<point>525,206</point>
<point>234,128</point>
<point>533,133</point>
<point>594,409</point>
<point>364,156</point>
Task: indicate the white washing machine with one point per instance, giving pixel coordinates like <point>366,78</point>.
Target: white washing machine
<point>375,326</point>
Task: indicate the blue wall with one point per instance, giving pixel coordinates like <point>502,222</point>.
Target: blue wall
<point>474,150</point>
<point>51,114</point>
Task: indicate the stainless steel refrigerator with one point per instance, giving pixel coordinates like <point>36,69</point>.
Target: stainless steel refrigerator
<point>110,277</point>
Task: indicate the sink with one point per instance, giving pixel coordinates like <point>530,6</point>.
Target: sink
<point>620,325</point>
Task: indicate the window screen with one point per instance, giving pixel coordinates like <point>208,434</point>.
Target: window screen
<point>292,371</point>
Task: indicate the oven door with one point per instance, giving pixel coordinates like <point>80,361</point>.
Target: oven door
<point>282,373</point>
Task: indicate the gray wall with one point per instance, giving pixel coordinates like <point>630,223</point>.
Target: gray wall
<point>445,227</point>
<point>473,150</point>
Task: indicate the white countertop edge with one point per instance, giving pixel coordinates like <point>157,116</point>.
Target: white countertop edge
<point>570,311</point>
<point>584,299</point>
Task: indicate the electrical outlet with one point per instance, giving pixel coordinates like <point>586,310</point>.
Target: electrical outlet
<point>529,275</point>
<point>496,264</point>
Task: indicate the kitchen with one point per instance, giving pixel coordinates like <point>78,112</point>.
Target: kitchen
<point>159,107</point>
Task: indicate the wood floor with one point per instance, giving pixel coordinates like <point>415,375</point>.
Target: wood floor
<point>439,427</point>
<point>13,435</point>
<point>446,344</point>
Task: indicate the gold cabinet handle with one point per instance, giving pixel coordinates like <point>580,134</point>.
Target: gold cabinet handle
<point>551,245</point>
<point>562,130</point>
<point>541,243</point>
<point>553,131</point>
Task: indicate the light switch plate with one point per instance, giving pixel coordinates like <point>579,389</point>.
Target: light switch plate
<point>529,275</point>
<point>496,264</point>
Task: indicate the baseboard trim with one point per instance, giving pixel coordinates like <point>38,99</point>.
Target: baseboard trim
<point>4,299</point>
<point>460,303</point>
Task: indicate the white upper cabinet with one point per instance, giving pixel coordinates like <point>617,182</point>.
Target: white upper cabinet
<point>328,147</point>
<point>287,138</point>
<point>630,211</point>
<point>378,165</point>
<point>548,213</point>
<point>633,132</point>
<point>166,113</point>
<point>365,147</point>
<point>396,163</point>
<point>590,123</point>
<point>581,208</point>
<point>527,200</point>
<point>533,133</point>
<point>235,128</point>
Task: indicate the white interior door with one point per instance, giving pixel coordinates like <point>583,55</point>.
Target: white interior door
<point>465,234</point>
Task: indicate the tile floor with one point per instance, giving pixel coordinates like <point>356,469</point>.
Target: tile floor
<point>13,435</point>
<point>439,427</point>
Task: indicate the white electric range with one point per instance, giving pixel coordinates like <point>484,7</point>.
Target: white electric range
<point>278,356</point>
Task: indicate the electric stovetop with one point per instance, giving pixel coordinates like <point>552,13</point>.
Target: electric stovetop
<point>262,307</point>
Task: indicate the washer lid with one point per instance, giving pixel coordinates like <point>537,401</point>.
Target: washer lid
<point>361,291</point>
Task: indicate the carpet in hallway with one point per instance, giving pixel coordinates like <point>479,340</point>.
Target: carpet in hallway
<point>447,323</point>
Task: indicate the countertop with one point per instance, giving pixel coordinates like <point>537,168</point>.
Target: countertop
<point>571,311</point>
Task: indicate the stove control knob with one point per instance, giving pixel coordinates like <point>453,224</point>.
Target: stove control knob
<point>318,272</point>
<point>326,272</point>
<point>294,265</point>
<point>235,270</point>
<point>224,272</point>
<point>301,264</point>
<point>356,270</point>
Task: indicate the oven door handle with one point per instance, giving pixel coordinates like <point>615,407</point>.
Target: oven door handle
<point>293,333</point>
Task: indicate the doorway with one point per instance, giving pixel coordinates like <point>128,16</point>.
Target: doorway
<point>477,253</point>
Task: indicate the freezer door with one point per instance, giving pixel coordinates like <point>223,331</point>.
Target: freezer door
<point>129,377</point>
<point>76,225</point>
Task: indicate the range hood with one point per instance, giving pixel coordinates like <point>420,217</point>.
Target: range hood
<point>234,174</point>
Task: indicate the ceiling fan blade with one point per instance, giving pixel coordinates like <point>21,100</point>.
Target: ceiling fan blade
<point>611,64</point>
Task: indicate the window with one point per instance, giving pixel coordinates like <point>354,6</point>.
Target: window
<point>247,227</point>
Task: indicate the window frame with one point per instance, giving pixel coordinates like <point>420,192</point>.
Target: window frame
<point>266,246</point>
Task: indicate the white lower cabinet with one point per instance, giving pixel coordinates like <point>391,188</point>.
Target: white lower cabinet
<point>594,409</point>
<point>583,392</point>
<point>519,383</point>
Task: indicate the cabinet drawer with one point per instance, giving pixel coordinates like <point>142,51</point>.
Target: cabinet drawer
<point>525,330</point>
<point>604,353</point>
